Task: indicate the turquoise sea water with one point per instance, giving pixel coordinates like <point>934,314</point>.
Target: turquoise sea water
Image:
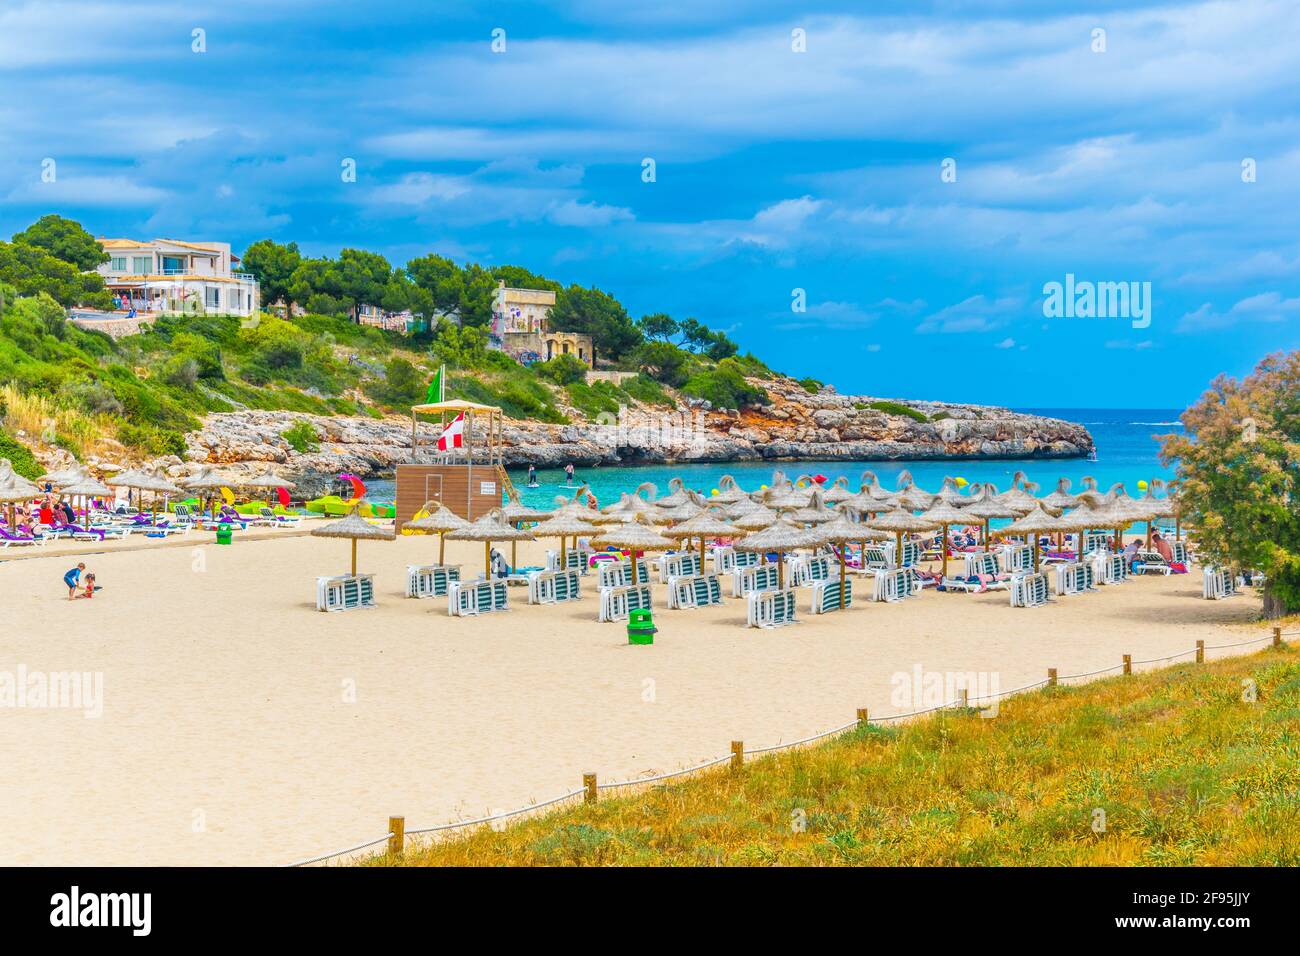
<point>1127,451</point>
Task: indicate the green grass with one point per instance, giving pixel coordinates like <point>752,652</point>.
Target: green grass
<point>894,408</point>
<point>1186,771</point>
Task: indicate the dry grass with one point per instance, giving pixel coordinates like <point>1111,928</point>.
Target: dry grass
<point>45,421</point>
<point>1186,770</point>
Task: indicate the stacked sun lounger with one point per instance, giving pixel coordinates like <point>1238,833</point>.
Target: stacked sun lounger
<point>1016,558</point>
<point>826,595</point>
<point>345,592</point>
<point>762,577</point>
<point>1029,590</point>
<point>430,580</point>
<point>616,602</point>
<point>1109,568</point>
<point>552,587</point>
<point>574,560</point>
<point>1218,583</point>
<point>1182,553</point>
<point>725,559</point>
<point>698,590</point>
<point>611,574</point>
<point>684,564</point>
<point>894,584</point>
<point>771,608</point>
<point>1074,577</point>
<point>803,570</point>
<point>467,598</point>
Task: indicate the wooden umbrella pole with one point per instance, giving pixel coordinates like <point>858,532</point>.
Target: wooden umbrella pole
<point>899,535</point>
<point>487,560</point>
<point>843,559</point>
<point>632,552</point>
<point>564,565</point>
<point>780,571</point>
<point>986,534</point>
<point>945,551</point>
<point>354,557</point>
<point>442,545</point>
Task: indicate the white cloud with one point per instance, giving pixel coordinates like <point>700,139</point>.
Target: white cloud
<point>1265,307</point>
<point>977,313</point>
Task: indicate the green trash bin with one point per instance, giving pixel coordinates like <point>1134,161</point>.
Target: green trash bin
<point>224,534</point>
<point>640,627</point>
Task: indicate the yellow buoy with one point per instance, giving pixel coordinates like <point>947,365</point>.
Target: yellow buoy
<point>961,482</point>
<point>1142,486</point>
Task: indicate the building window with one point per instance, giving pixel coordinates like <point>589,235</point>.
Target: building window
<point>173,265</point>
<point>117,264</point>
<point>141,265</point>
<point>212,297</point>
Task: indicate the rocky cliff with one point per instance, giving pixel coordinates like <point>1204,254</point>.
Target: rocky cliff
<point>792,425</point>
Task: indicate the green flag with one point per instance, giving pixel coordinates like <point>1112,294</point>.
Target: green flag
<point>434,394</point>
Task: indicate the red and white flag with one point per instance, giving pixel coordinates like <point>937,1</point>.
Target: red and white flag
<point>454,436</point>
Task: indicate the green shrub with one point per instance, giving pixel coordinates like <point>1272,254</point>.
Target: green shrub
<point>152,441</point>
<point>302,437</point>
<point>895,408</point>
<point>562,370</point>
<point>645,389</point>
<point>21,457</point>
<point>595,399</point>
<point>724,387</point>
<point>810,385</point>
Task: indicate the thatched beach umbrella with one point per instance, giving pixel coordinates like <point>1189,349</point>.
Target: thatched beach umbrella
<point>14,488</point>
<point>741,508</point>
<point>901,522</point>
<point>206,479</point>
<point>487,529</point>
<point>781,536</point>
<point>949,493</point>
<point>1060,499</point>
<point>812,513</point>
<point>728,492</point>
<point>945,515</point>
<point>1089,492</point>
<point>1038,521</point>
<point>872,486</point>
<point>63,476</point>
<point>515,513</point>
<point>786,498</point>
<point>911,496</point>
<point>562,525</point>
<point>355,527</point>
<point>839,531</point>
<point>1021,500</point>
<point>706,524</point>
<point>986,506</point>
<point>439,521</point>
<point>632,535</point>
<point>676,496</point>
<point>837,492</point>
<point>756,520</point>
<point>86,489</point>
<point>156,485</point>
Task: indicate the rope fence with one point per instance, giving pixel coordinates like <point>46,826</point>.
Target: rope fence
<point>590,788</point>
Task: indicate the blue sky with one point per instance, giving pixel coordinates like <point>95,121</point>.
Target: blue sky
<point>776,170</point>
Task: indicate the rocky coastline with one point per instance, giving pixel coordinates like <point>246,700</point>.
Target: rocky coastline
<point>793,425</point>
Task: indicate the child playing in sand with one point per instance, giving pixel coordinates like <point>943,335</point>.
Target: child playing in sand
<point>72,579</point>
<point>90,587</point>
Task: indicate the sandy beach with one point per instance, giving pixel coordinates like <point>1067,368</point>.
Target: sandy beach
<point>230,733</point>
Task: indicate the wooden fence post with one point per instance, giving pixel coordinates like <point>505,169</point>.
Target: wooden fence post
<point>737,754</point>
<point>1277,637</point>
<point>1051,677</point>
<point>397,831</point>
<point>1128,663</point>
<point>589,782</point>
<point>862,716</point>
<point>1200,652</point>
<point>963,699</point>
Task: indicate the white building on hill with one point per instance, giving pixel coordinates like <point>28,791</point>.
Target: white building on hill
<point>170,276</point>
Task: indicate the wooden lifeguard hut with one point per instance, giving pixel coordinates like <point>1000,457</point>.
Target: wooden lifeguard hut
<point>469,480</point>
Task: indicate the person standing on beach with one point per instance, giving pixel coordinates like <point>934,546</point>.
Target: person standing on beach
<point>72,579</point>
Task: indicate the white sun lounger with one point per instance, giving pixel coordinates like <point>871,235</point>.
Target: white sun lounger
<point>771,608</point>
<point>1029,590</point>
<point>826,595</point>
<point>574,560</point>
<point>762,577</point>
<point>1218,583</point>
<point>345,592</point>
<point>1074,577</point>
<point>430,580</point>
<point>698,590</point>
<point>553,587</point>
<point>468,598</point>
<point>617,602</point>
<point>895,584</point>
<point>683,564</point>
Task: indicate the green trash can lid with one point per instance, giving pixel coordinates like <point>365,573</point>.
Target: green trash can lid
<point>639,617</point>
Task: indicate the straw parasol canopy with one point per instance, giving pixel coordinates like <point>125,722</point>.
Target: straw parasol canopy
<point>872,486</point>
<point>487,529</point>
<point>787,498</point>
<point>1060,499</point>
<point>706,524</point>
<point>945,515</point>
<point>911,496</point>
<point>840,530</point>
<point>812,513</point>
<point>1022,500</point>
<point>561,526</point>
<point>86,489</point>
<point>949,493</point>
<point>837,492</point>
<point>781,536</point>
<point>676,496</point>
<point>355,527</point>
<point>206,479</point>
<point>988,506</point>
<point>1037,521</point>
<point>1089,492</point>
<point>756,520</point>
<point>633,535</point>
<point>267,479</point>
<point>742,507</point>
<point>901,522</point>
<point>728,492</point>
<point>441,520</point>
<point>64,476</point>
<point>14,488</point>
<point>514,513</point>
